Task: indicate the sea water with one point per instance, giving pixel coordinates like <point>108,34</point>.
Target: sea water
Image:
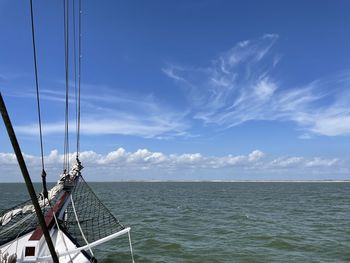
<point>222,221</point>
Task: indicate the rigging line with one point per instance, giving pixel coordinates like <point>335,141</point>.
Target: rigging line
<point>43,173</point>
<point>60,232</point>
<point>66,40</point>
<point>75,72</point>
<point>36,83</point>
<point>67,89</point>
<point>65,67</point>
<point>78,222</point>
<point>79,78</point>
<point>130,245</point>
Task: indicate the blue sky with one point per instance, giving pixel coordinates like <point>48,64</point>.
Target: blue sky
<point>187,90</point>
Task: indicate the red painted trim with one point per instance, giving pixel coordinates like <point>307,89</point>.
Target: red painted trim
<point>49,219</point>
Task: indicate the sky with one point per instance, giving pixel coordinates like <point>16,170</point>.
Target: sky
<point>183,90</point>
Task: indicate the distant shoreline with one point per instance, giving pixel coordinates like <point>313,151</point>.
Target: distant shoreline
<point>225,181</point>
<point>206,181</point>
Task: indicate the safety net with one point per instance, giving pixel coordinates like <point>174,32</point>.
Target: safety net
<point>86,218</point>
<point>83,217</point>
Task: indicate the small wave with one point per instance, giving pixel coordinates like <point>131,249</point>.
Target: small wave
<point>281,244</point>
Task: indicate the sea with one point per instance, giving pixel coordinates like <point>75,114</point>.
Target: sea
<point>222,221</point>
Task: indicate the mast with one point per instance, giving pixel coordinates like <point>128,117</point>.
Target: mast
<point>27,178</point>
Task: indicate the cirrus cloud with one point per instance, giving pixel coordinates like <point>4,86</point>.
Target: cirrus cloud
<point>240,86</point>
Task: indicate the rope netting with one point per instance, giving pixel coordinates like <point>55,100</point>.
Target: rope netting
<point>86,218</point>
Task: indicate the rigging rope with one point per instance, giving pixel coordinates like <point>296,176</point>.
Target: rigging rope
<point>77,219</point>
<point>43,173</point>
<point>77,86</point>
<point>75,72</point>
<point>131,252</point>
<point>61,235</point>
<point>66,53</point>
<point>79,78</point>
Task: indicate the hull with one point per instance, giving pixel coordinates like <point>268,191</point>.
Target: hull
<point>76,219</point>
<point>17,250</point>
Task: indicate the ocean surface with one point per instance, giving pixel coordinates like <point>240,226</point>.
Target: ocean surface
<point>223,222</point>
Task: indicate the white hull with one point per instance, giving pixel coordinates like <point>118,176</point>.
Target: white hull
<point>65,236</point>
<point>61,242</point>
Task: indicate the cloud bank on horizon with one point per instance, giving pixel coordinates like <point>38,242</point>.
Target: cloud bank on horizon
<point>147,165</point>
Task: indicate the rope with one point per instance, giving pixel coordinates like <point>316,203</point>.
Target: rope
<point>43,173</point>
<point>66,53</point>
<point>61,234</point>
<point>81,230</point>
<point>75,73</point>
<point>132,254</point>
<point>79,79</point>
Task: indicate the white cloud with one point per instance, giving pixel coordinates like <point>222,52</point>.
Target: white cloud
<point>255,155</point>
<point>239,86</point>
<point>286,162</point>
<point>171,73</point>
<point>332,124</point>
<point>319,162</point>
<point>133,165</point>
<point>115,113</point>
<point>301,162</point>
<point>150,127</point>
<point>8,158</point>
<point>264,89</point>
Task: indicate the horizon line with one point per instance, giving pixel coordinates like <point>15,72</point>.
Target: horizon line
<point>205,181</point>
